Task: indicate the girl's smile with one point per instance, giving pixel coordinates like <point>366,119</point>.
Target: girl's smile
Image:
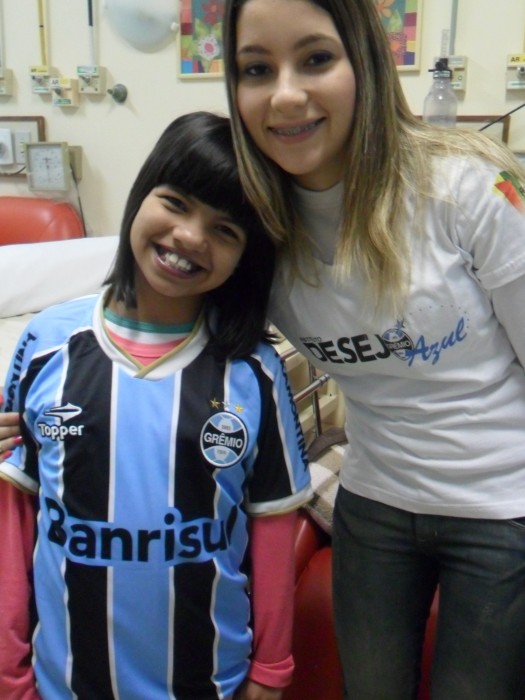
<point>175,262</point>
<point>183,249</point>
<point>296,88</point>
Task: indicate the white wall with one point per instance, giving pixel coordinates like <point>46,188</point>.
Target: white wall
<point>486,33</point>
<point>116,137</point>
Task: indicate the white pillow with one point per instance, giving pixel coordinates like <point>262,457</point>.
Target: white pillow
<point>36,275</point>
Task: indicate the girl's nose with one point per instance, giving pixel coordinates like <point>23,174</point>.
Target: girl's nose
<point>191,235</point>
<point>289,93</point>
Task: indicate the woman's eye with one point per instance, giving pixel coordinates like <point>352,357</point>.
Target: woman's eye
<point>319,58</point>
<point>254,70</point>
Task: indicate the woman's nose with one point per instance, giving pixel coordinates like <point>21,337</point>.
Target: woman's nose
<point>289,92</point>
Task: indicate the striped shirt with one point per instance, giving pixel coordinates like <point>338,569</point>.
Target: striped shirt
<point>146,477</point>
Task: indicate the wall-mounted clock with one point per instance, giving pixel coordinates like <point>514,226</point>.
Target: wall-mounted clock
<point>48,166</point>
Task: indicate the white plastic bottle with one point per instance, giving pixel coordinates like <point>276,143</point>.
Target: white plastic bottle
<point>441,104</point>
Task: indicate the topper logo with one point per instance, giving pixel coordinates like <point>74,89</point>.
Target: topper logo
<point>63,414</point>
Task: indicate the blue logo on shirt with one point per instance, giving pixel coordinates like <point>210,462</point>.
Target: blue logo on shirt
<point>224,440</point>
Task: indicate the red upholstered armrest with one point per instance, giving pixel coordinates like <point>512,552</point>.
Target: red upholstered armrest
<point>309,537</point>
<point>36,219</point>
<point>317,673</point>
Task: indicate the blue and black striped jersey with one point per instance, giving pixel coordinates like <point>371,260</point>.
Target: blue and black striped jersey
<point>146,478</point>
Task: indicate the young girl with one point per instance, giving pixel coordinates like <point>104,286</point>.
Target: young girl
<point>402,273</point>
<point>158,427</point>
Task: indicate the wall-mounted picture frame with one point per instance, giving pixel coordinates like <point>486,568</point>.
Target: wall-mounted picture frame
<point>200,39</point>
<point>32,127</point>
<point>498,130</point>
<point>402,22</point>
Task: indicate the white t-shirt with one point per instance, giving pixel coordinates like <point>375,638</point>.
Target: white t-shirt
<point>436,399</point>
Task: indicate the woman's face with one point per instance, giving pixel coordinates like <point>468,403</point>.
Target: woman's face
<point>296,88</point>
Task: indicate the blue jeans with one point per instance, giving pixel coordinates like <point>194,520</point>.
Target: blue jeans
<point>387,565</point>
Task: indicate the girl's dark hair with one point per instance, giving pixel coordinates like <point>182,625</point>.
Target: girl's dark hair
<point>195,156</point>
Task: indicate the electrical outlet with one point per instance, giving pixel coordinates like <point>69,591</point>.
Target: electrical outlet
<point>6,81</point>
<point>21,138</point>
<point>458,66</point>
<point>40,79</point>
<point>92,80</point>
<point>65,92</point>
<point>6,147</point>
<point>516,71</point>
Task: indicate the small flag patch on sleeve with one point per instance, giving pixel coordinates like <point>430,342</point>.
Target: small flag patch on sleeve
<point>510,187</point>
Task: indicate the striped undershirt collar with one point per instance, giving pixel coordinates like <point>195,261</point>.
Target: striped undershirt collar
<point>145,342</point>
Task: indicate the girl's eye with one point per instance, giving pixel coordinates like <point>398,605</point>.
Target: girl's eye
<point>173,202</point>
<point>254,70</point>
<point>229,232</point>
<point>319,58</point>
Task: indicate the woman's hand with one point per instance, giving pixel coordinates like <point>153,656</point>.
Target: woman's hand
<point>9,432</point>
<point>250,690</point>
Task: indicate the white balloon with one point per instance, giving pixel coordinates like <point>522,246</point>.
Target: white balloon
<point>145,24</point>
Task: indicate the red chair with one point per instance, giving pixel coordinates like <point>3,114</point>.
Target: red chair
<point>317,673</point>
<point>37,219</point>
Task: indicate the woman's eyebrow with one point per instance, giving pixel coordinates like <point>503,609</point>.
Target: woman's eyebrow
<point>300,44</point>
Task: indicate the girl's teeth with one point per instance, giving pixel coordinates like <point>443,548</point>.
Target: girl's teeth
<point>173,260</point>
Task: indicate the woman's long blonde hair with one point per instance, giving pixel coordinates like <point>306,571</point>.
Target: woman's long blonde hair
<point>389,152</point>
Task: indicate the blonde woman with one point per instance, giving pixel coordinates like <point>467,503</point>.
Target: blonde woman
<point>402,273</point>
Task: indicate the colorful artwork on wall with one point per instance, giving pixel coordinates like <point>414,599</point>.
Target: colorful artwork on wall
<point>200,39</point>
<point>402,22</point>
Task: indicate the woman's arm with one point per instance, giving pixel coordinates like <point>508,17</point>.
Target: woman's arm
<point>510,312</point>
<point>272,553</point>
<point>9,434</point>
<point>17,525</point>
<point>9,431</point>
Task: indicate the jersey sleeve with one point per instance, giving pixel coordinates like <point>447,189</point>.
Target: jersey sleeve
<point>13,469</point>
<point>280,479</point>
<point>25,347</point>
<point>489,223</point>
<point>41,338</point>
